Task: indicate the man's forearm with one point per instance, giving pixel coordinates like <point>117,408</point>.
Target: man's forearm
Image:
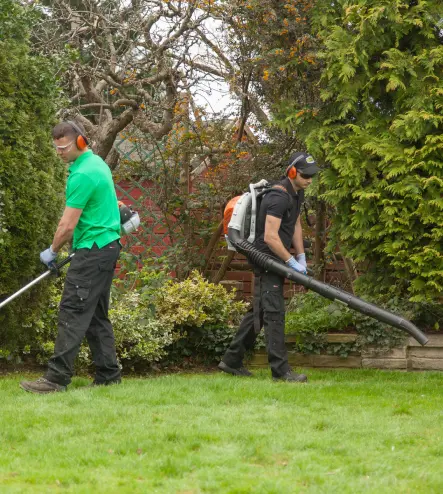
<point>277,247</point>
<point>62,236</point>
<point>66,227</point>
<point>297,239</point>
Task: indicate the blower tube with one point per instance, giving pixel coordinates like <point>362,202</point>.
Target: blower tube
<point>268,263</point>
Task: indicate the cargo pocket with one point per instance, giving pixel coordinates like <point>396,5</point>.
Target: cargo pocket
<point>76,293</point>
<point>272,299</point>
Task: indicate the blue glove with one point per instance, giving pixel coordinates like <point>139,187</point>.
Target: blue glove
<point>301,259</point>
<point>296,266</point>
<point>48,257</point>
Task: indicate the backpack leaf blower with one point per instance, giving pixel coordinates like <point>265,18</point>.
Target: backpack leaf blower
<point>240,224</point>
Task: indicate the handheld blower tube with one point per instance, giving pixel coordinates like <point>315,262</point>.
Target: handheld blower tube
<point>268,263</point>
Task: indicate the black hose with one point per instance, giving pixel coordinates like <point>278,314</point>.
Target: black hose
<point>268,263</point>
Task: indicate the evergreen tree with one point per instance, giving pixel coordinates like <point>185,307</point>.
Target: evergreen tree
<point>31,176</point>
<point>380,128</point>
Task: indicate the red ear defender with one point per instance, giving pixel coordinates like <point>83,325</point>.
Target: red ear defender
<point>81,143</point>
<point>291,172</point>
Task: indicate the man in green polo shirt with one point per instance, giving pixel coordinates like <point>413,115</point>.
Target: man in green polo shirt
<point>91,221</point>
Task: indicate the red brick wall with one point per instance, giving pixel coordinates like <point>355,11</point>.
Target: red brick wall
<point>154,237</point>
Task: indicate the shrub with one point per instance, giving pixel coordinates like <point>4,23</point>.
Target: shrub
<point>152,315</point>
<point>310,312</point>
<point>205,314</point>
<point>195,303</point>
<point>138,336</point>
<point>310,316</point>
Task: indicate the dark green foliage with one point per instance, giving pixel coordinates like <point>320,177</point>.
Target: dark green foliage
<point>380,130</point>
<point>310,317</point>
<point>312,313</point>
<point>31,176</point>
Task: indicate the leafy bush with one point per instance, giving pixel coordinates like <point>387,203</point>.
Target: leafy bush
<point>195,303</point>
<point>138,336</point>
<point>146,279</point>
<point>151,315</point>
<point>310,312</point>
<point>310,316</point>
<point>44,330</point>
<point>205,314</point>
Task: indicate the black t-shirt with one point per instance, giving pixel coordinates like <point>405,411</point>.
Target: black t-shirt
<point>281,204</point>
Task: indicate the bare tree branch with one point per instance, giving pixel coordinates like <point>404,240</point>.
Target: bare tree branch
<point>119,68</point>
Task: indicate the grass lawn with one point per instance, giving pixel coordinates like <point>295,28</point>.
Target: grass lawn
<point>344,432</point>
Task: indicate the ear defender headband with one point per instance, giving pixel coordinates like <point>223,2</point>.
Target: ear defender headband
<point>81,141</point>
<point>291,171</point>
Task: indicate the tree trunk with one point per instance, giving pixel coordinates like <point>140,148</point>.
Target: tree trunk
<point>224,267</point>
<point>351,272</point>
<point>320,241</point>
<point>212,244</point>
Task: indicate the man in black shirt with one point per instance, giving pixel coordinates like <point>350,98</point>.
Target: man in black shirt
<point>278,227</point>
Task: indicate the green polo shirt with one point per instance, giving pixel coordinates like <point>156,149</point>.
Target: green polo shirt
<point>90,187</point>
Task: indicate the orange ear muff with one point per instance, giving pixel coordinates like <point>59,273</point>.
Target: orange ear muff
<point>291,172</point>
<point>81,143</point>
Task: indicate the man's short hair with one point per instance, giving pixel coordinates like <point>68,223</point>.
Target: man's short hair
<point>65,129</point>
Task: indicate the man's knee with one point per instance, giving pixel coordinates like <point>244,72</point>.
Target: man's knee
<point>274,320</point>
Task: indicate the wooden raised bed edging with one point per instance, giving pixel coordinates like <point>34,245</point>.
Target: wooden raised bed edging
<point>411,356</point>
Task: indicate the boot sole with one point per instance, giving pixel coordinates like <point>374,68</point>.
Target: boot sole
<point>37,392</point>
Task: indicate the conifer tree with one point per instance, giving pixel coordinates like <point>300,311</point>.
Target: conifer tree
<point>31,176</point>
<point>380,129</point>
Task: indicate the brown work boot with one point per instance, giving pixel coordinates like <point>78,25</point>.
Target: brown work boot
<point>292,377</point>
<point>42,386</point>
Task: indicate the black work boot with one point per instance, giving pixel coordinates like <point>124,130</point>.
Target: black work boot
<point>42,386</point>
<point>292,377</point>
<point>241,371</point>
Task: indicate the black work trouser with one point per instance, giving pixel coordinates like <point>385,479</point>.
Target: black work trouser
<point>271,313</point>
<point>84,312</point>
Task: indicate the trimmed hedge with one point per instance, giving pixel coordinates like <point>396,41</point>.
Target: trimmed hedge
<point>31,176</point>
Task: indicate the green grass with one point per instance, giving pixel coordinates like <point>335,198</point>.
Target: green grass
<point>344,432</point>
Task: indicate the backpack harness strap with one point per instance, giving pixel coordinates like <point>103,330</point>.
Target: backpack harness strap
<point>279,186</point>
